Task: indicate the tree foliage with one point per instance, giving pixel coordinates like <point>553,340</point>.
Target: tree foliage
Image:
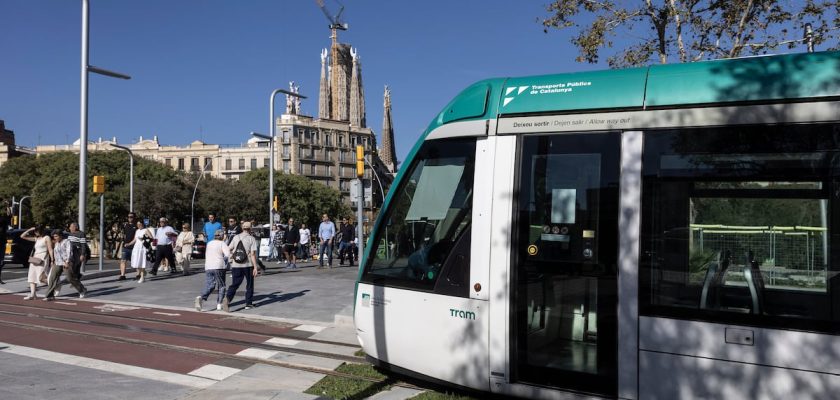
<point>639,32</point>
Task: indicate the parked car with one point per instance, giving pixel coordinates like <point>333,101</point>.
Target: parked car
<point>199,248</point>
<point>20,248</point>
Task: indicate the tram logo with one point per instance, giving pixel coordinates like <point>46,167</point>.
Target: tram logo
<point>508,91</point>
<point>461,314</point>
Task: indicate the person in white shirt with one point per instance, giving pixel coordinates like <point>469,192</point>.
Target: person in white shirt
<point>303,249</point>
<point>183,247</point>
<point>242,269</point>
<point>62,253</point>
<point>215,259</point>
<point>165,235</point>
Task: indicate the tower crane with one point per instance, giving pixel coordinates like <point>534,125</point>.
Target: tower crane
<point>335,21</point>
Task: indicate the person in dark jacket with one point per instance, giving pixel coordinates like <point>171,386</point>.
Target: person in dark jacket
<point>292,243</point>
<point>345,244</point>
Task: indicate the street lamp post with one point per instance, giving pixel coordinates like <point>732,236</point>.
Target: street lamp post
<point>131,176</point>
<point>192,207</point>
<point>381,193</point>
<point>20,210</point>
<point>272,128</point>
<point>83,139</point>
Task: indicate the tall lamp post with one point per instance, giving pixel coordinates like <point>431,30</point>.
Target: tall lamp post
<point>86,67</point>
<point>381,193</point>
<point>272,128</point>
<point>20,210</point>
<point>131,176</point>
<point>192,207</point>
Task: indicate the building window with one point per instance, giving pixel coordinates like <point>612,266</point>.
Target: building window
<point>286,151</point>
<point>312,168</point>
<point>329,154</point>
<point>180,164</point>
<point>315,137</point>
<point>286,137</point>
<point>307,138</point>
<point>228,164</point>
<point>352,140</point>
<point>327,140</point>
<point>286,166</point>
<point>253,164</point>
<point>265,162</point>
<point>241,163</point>
<point>208,162</point>
<point>168,162</point>
<point>300,167</point>
<point>340,140</point>
<point>329,170</point>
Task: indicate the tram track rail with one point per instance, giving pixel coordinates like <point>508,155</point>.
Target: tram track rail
<point>187,324</point>
<point>215,354</point>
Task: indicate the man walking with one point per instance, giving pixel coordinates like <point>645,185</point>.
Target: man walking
<point>292,242</point>
<point>345,246</point>
<point>326,232</point>
<point>62,253</point>
<point>210,227</point>
<point>232,230</point>
<point>165,235</point>
<point>303,248</point>
<point>78,250</point>
<point>128,230</point>
<point>243,248</point>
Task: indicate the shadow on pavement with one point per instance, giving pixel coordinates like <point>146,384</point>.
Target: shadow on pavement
<point>261,300</point>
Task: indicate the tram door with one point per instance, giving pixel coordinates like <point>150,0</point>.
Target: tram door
<point>564,262</point>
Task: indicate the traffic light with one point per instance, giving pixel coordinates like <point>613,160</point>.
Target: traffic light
<point>98,184</point>
<point>360,161</point>
<point>276,204</point>
<point>14,219</point>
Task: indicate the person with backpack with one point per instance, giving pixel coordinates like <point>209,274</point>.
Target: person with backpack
<point>243,258</point>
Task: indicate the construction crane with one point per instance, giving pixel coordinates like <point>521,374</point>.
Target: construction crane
<point>335,21</point>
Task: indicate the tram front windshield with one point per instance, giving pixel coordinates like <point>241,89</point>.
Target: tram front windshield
<point>426,216</point>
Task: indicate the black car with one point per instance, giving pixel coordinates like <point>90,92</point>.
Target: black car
<point>199,247</point>
<point>16,249</point>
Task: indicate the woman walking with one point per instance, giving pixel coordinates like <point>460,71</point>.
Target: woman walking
<point>215,259</point>
<point>138,253</point>
<point>183,248</point>
<point>39,262</point>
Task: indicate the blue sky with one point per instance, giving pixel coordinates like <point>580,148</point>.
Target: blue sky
<point>203,69</point>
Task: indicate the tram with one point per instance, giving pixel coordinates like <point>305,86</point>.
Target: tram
<point>651,233</point>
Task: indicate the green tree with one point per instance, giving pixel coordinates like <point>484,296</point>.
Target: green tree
<point>639,32</point>
<point>300,197</point>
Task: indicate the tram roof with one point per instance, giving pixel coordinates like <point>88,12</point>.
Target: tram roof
<point>791,77</point>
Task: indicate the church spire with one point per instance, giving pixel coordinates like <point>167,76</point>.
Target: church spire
<point>324,89</point>
<point>340,66</point>
<point>357,94</point>
<point>388,154</point>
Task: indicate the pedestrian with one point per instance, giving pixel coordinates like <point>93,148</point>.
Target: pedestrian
<point>303,247</point>
<point>164,236</point>
<point>183,248</point>
<point>62,252</point>
<point>273,248</point>
<point>326,232</point>
<point>345,246</point>
<point>232,230</point>
<point>280,243</point>
<point>40,260</point>
<point>141,246</point>
<point>292,242</point>
<point>210,227</point>
<point>78,250</point>
<point>215,259</point>
<point>243,248</point>
<point>5,213</point>
<point>113,241</point>
<point>128,229</point>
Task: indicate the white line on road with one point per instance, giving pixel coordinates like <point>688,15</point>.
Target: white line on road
<point>107,366</point>
<point>216,372</point>
<point>166,313</point>
<point>309,328</point>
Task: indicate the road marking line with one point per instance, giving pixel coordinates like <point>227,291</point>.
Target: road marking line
<point>309,328</point>
<point>107,366</point>
<point>282,342</point>
<point>215,372</point>
<point>66,303</point>
<point>166,313</point>
<point>258,353</point>
<point>115,307</point>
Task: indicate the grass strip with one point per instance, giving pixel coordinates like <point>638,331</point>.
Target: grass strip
<point>350,389</point>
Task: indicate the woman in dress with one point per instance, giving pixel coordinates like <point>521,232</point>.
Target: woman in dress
<point>43,251</point>
<point>138,253</point>
<point>183,248</point>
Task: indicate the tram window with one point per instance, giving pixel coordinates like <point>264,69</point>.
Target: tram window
<point>737,226</point>
<point>427,230</point>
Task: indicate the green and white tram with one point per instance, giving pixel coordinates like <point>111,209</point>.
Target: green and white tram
<point>652,233</point>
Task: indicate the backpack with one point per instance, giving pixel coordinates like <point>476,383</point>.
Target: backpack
<point>240,256</point>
